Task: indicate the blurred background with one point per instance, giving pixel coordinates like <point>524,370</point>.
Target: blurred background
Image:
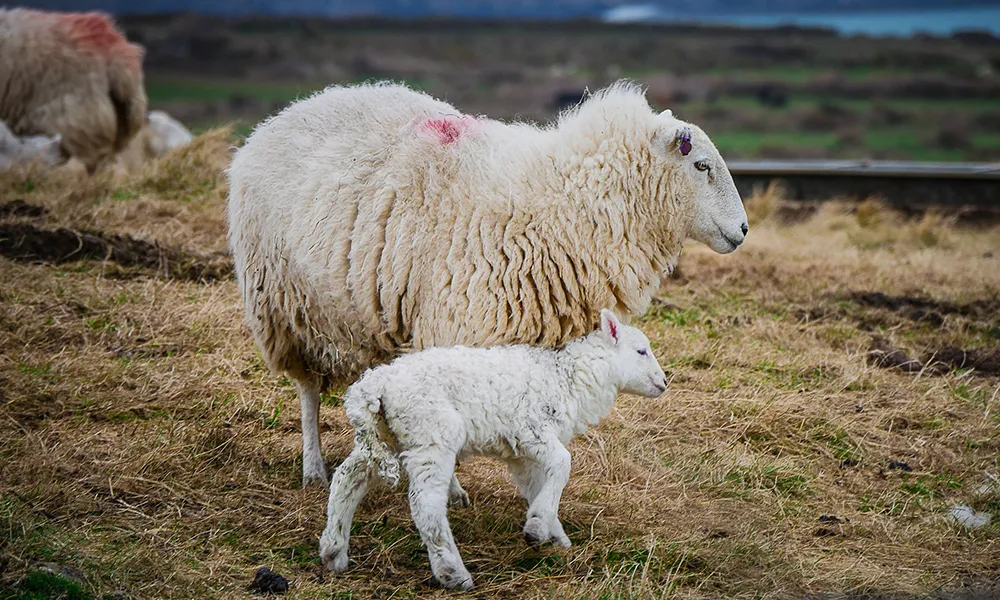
<point>880,79</point>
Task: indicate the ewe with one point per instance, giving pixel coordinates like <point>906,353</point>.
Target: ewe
<point>521,404</point>
<point>74,75</point>
<point>368,219</point>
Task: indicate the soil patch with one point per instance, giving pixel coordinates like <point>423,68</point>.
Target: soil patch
<point>25,242</point>
<point>883,354</point>
<point>985,361</point>
<point>20,208</point>
<point>925,309</point>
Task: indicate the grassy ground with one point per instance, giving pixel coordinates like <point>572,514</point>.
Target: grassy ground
<point>146,451</point>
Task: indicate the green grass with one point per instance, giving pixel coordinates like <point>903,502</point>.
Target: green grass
<point>749,143</point>
<point>195,90</point>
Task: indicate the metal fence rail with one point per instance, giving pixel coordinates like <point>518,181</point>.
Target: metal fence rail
<point>905,184</point>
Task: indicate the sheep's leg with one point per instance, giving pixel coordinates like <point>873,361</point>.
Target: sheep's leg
<point>347,489</point>
<point>430,472</point>
<point>552,469</point>
<point>457,496</point>
<point>313,469</point>
<point>528,482</point>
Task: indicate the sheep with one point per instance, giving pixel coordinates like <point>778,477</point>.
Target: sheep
<point>521,404</point>
<point>367,220</point>
<point>16,150</point>
<point>160,134</point>
<point>74,75</point>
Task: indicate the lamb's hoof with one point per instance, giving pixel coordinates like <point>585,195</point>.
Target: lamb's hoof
<point>536,532</point>
<point>334,559</point>
<point>315,476</point>
<point>454,578</point>
<point>459,498</point>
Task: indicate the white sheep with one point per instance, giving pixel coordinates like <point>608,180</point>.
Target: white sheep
<point>372,218</point>
<point>521,404</point>
<point>15,150</point>
<point>160,134</point>
<point>74,75</point>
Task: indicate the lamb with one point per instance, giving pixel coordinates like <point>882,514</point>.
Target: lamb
<point>16,150</point>
<point>160,134</point>
<point>371,219</point>
<point>521,404</point>
<point>74,75</point>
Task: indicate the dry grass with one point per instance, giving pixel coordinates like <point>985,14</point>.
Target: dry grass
<point>145,445</point>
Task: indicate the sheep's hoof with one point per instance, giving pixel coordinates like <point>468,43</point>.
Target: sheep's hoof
<point>459,498</point>
<point>455,578</point>
<point>536,532</point>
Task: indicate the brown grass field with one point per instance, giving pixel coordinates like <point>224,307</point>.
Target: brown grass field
<point>147,452</point>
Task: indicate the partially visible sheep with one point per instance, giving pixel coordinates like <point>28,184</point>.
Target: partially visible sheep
<point>521,404</point>
<point>16,150</point>
<point>160,134</point>
<point>74,75</point>
<point>368,219</point>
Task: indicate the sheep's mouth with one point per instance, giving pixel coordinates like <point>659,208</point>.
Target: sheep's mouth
<point>733,243</point>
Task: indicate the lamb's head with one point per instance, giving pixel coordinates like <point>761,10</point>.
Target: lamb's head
<point>42,148</point>
<point>632,360</point>
<point>701,184</point>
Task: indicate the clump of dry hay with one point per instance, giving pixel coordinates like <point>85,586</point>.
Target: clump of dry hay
<point>147,447</point>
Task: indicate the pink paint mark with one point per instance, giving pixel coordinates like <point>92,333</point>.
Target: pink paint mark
<point>96,32</point>
<point>448,129</point>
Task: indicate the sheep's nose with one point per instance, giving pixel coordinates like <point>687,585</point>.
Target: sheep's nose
<point>744,228</point>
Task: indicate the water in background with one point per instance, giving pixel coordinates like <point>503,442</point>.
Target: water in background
<point>898,23</point>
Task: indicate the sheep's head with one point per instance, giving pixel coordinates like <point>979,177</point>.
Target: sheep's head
<point>632,358</point>
<point>701,183</point>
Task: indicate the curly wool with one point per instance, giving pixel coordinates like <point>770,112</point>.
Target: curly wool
<point>372,218</point>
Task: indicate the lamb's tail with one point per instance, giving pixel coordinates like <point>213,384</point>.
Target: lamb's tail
<point>364,411</point>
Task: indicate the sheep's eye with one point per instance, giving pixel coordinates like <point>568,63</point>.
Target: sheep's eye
<point>702,165</point>
<point>642,352</point>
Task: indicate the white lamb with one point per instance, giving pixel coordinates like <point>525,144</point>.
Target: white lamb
<point>521,404</point>
<point>364,220</point>
<point>19,150</point>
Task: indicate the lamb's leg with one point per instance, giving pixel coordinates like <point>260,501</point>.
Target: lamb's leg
<point>430,471</point>
<point>552,469</point>
<point>347,489</point>
<point>457,496</point>
<point>529,478</point>
<point>528,482</point>
<point>313,469</point>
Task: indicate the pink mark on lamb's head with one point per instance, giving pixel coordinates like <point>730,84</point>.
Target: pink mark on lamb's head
<point>447,129</point>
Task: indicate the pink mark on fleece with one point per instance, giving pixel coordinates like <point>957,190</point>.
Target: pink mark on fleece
<point>96,32</point>
<point>448,129</point>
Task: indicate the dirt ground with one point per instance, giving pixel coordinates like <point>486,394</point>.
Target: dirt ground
<point>146,451</point>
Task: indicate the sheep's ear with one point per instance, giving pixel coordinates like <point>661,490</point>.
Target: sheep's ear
<point>667,113</point>
<point>610,325</point>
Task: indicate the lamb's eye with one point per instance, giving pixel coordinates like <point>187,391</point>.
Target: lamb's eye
<point>702,165</point>
<point>641,352</point>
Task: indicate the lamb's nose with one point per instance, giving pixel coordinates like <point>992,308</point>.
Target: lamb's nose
<point>744,228</point>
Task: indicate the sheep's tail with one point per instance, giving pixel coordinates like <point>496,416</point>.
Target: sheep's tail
<point>364,411</point>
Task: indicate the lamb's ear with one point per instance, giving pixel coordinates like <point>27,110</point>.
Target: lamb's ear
<point>667,113</point>
<point>610,325</point>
